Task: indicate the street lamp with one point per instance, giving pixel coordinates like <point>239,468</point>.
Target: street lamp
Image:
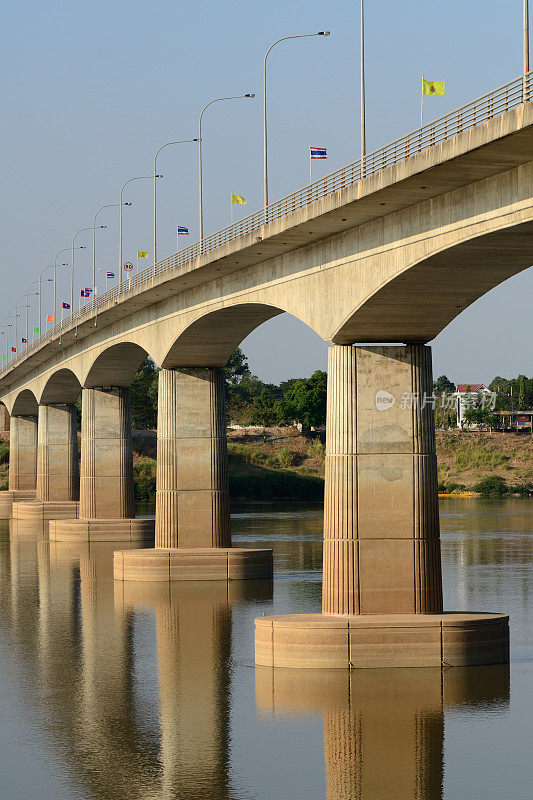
<point>50,266</point>
<point>182,141</point>
<point>265,149</point>
<point>122,203</point>
<point>250,95</point>
<point>27,306</point>
<point>81,230</point>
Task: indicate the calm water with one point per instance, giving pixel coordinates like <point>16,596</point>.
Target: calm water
<point>137,691</point>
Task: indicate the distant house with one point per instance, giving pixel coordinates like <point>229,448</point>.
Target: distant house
<point>470,395</point>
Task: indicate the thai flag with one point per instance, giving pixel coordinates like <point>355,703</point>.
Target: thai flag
<point>182,230</point>
<point>88,291</point>
<point>65,305</point>
<point>318,152</point>
<point>23,340</point>
<point>110,274</point>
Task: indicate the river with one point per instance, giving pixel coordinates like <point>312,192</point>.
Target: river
<point>124,691</point>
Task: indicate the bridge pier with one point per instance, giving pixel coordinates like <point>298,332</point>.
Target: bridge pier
<point>192,532</point>
<point>57,490</point>
<point>106,507</point>
<point>22,463</point>
<point>382,585</point>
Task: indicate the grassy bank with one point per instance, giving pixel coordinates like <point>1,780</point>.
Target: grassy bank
<point>280,464</point>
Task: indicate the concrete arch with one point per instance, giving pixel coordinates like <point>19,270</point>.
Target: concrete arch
<point>61,387</point>
<point>210,340</point>
<point>24,403</point>
<point>115,366</point>
<point>420,300</point>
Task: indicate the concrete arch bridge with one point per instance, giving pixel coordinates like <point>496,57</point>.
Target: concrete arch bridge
<point>391,258</point>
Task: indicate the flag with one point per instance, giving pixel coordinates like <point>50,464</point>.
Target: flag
<point>110,274</point>
<point>49,318</point>
<point>83,293</point>
<point>237,200</point>
<point>35,329</point>
<point>13,349</point>
<point>5,358</point>
<point>318,152</point>
<point>23,340</point>
<point>432,87</point>
<point>182,230</point>
<point>142,254</point>
<point>87,291</point>
<point>65,305</point>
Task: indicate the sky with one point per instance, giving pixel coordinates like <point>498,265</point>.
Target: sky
<point>91,89</point>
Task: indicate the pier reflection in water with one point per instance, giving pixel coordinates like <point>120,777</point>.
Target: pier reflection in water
<point>116,690</point>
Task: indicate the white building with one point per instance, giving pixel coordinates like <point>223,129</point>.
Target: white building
<point>472,395</point>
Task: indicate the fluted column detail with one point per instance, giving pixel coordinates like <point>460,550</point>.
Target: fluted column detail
<point>106,473</point>
<point>57,453</point>
<point>192,502</point>
<point>381,527</point>
<point>23,453</point>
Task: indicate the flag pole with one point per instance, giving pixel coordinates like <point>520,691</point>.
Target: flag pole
<point>422,103</point>
<point>231,208</point>
<point>310,167</point>
<point>363,113</point>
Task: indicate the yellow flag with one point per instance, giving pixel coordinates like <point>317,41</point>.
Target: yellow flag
<point>432,87</point>
<point>142,254</point>
<point>237,200</point>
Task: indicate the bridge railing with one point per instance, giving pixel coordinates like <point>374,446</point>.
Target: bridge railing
<point>484,108</point>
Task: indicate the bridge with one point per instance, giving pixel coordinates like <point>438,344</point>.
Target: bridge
<point>386,251</point>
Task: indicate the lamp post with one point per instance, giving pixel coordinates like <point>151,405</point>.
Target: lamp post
<point>182,141</point>
<point>65,250</point>
<point>50,266</point>
<point>27,306</point>
<point>81,230</point>
<point>139,178</point>
<point>94,227</point>
<point>249,95</point>
<point>265,132</point>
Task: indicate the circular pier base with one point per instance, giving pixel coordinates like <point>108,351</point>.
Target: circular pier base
<point>45,510</point>
<point>10,496</point>
<point>141,530</point>
<point>199,564</point>
<point>322,641</point>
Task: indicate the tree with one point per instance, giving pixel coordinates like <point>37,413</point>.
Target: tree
<point>443,384</point>
<point>237,368</point>
<point>143,394</point>
<point>305,401</point>
<point>521,403</point>
<point>479,416</point>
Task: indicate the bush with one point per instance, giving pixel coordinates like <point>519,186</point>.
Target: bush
<point>286,458</point>
<point>492,486</point>
<point>144,479</point>
<point>315,449</point>
<point>4,453</point>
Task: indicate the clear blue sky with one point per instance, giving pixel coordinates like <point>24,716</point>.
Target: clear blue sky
<point>91,89</point>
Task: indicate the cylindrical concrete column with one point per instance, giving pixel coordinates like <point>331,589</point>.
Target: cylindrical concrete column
<point>381,528</point>
<point>4,418</point>
<point>106,472</point>
<point>192,502</point>
<point>57,453</point>
<point>23,453</point>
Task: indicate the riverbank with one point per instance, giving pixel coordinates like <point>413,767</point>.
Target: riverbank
<point>280,464</point>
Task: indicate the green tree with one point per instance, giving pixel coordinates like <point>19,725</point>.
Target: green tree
<point>443,384</point>
<point>237,368</point>
<point>305,401</point>
<point>143,394</point>
<point>521,402</point>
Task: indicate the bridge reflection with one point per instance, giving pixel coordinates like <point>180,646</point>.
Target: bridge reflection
<point>133,685</point>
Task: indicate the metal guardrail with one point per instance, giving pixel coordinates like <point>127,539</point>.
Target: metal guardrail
<point>484,108</point>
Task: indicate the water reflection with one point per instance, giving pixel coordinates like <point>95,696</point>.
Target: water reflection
<point>383,729</point>
<point>147,691</point>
